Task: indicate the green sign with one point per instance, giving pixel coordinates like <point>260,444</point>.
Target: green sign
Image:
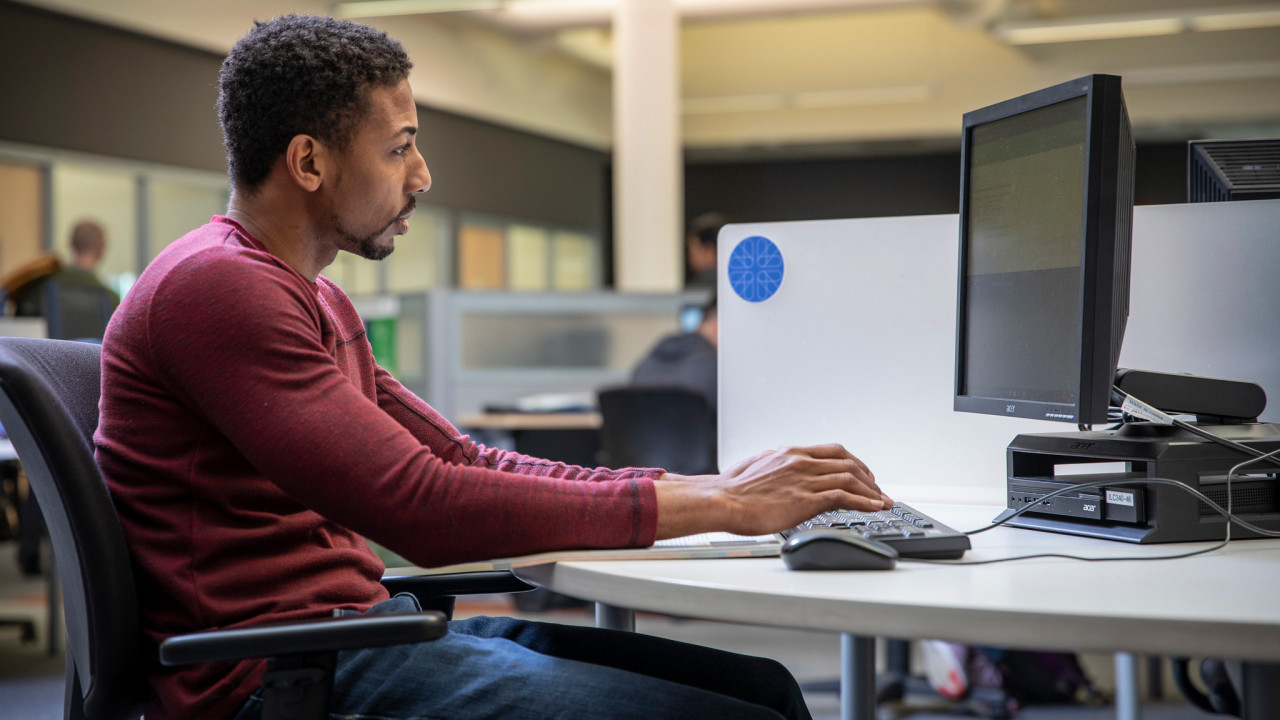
<point>382,337</point>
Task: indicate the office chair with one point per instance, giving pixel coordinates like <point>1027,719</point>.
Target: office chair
<point>668,427</point>
<point>76,312</point>
<point>49,393</point>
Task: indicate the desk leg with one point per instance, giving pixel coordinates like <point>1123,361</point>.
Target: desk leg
<point>1127,706</point>
<point>615,618</point>
<point>857,677</point>
<point>1260,691</point>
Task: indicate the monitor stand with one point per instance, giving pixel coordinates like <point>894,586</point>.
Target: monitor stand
<point>1042,463</point>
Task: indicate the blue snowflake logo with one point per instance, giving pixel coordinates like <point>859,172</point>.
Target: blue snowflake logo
<point>755,269</point>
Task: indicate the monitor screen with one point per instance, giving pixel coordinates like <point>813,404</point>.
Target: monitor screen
<point>1043,287</point>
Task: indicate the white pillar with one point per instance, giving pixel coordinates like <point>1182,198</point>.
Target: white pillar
<point>648,178</point>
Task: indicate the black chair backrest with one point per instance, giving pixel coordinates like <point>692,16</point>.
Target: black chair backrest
<point>668,427</point>
<point>49,392</point>
<point>75,311</point>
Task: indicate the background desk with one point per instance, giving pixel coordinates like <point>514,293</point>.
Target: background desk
<point>1225,604</point>
<point>569,437</point>
<point>532,421</point>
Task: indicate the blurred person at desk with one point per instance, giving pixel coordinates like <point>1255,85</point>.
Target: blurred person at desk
<point>685,359</point>
<point>250,440</point>
<point>700,249</point>
<point>29,288</point>
<point>88,244</point>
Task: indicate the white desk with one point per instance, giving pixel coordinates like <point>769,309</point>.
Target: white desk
<point>1226,603</point>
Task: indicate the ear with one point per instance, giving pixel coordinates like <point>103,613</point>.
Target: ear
<point>306,161</point>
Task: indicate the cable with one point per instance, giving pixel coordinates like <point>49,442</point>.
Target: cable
<point>1065,556</point>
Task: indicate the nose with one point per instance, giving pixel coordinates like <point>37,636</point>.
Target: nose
<point>419,179</point>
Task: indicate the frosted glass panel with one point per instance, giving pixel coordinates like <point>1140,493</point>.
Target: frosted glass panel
<point>415,265</point>
<point>576,266</point>
<point>481,257</point>
<point>354,274</point>
<point>529,248</point>
<point>21,216</point>
<point>514,340</point>
<point>176,207</point>
<point>109,198</point>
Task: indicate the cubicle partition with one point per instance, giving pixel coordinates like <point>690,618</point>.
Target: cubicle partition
<point>856,343</point>
<point>465,352</point>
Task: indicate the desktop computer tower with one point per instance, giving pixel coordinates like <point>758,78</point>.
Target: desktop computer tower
<point>1131,511</point>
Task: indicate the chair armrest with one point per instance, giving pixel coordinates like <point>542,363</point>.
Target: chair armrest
<point>470,583</point>
<point>293,638</point>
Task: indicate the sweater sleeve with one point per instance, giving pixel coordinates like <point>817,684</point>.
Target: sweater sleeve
<point>434,431</point>
<point>260,373</point>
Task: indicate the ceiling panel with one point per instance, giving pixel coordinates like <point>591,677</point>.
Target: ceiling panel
<point>779,74</point>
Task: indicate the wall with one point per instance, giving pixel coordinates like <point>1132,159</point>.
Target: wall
<point>77,85</point>
<point>74,85</point>
<point>879,186</point>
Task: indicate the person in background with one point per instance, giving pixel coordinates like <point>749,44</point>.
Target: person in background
<point>88,244</point>
<point>700,249</point>
<point>686,359</point>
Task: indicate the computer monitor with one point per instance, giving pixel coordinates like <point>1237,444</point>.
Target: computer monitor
<point>1222,170</point>
<point>1046,208</point>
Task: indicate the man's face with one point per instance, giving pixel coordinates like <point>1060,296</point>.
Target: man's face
<point>378,175</point>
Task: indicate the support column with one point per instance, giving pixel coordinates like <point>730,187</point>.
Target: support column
<point>648,178</point>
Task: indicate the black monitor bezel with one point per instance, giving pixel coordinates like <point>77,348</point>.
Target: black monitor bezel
<point>1107,139</point>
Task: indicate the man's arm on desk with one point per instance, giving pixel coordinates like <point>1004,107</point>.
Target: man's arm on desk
<point>768,492</point>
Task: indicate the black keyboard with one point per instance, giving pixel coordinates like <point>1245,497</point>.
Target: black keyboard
<point>912,533</point>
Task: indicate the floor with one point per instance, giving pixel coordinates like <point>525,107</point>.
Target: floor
<point>31,678</point>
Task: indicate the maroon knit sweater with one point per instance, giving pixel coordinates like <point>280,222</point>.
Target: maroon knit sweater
<point>249,441</point>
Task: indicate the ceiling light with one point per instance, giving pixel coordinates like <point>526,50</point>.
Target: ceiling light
<point>545,15</point>
<point>1066,31</point>
<point>1242,19</point>
<point>1210,73</point>
<point>733,103</point>
<point>807,100</point>
<point>863,96</point>
<point>386,8</point>
<point>1110,27</point>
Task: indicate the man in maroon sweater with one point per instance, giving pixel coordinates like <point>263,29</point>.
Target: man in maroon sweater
<point>250,440</point>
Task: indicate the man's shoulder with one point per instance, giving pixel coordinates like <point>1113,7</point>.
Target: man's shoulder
<point>213,256</point>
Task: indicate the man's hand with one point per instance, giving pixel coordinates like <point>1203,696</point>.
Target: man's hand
<point>768,492</point>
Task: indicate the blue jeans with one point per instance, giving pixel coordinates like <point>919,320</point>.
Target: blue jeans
<point>519,670</point>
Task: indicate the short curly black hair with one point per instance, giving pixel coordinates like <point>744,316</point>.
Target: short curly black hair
<point>299,75</point>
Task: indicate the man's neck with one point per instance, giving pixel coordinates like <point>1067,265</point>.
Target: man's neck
<point>285,233</point>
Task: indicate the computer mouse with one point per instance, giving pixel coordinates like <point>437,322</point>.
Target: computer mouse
<point>826,549</point>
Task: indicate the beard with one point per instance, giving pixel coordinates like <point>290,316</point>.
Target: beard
<point>366,246</point>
